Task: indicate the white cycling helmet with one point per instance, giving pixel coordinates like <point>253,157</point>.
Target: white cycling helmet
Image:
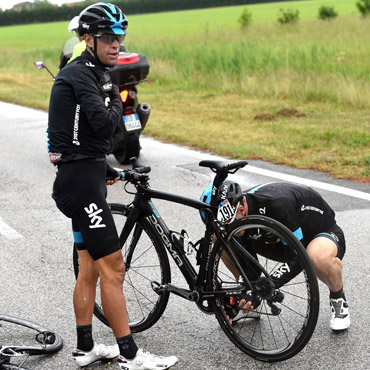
<point>73,24</point>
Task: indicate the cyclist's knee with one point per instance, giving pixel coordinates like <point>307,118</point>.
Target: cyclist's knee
<point>321,250</point>
<point>112,268</point>
<point>88,268</point>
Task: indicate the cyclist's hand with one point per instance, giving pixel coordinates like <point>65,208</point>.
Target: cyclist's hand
<point>114,93</point>
<point>113,181</point>
<point>245,306</point>
<point>112,175</point>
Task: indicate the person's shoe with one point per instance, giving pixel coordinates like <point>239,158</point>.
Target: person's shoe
<point>248,315</point>
<point>339,314</point>
<point>146,361</point>
<point>100,352</point>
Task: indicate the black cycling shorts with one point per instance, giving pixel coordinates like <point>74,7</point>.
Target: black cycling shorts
<point>335,233</point>
<point>278,252</point>
<point>79,191</point>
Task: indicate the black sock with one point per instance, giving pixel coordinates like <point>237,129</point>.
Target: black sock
<point>84,338</point>
<point>127,346</point>
<point>338,294</point>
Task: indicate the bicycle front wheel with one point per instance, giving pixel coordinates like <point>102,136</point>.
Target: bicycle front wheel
<point>20,338</point>
<point>148,262</point>
<point>283,326</point>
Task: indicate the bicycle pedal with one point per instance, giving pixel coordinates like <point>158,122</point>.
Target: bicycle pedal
<point>158,288</point>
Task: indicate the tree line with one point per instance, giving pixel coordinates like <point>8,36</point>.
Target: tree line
<point>46,12</point>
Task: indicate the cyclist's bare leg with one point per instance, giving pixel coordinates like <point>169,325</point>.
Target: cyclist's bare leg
<point>243,304</point>
<point>85,289</point>
<point>230,265</point>
<point>112,272</point>
<point>328,267</point>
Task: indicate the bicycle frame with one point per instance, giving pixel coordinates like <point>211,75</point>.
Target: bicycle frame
<point>143,206</point>
<point>285,318</point>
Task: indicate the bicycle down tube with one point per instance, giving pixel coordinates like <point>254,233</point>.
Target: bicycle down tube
<point>230,270</point>
<point>144,207</point>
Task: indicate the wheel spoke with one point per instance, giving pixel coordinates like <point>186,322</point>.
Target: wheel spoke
<point>287,319</point>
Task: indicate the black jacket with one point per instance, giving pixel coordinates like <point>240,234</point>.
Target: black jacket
<point>85,109</point>
<point>300,208</point>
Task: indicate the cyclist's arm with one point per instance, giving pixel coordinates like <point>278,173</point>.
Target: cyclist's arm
<point>103,119</point>
<point>283,210</point>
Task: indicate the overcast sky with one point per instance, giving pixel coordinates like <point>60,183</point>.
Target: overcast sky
<point>8,4</point>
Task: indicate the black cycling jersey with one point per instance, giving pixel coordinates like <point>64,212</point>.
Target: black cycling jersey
<point>300,208</point>
<point>303,211</point>
<point>85,108</point>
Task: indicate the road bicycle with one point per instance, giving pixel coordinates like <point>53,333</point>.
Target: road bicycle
<point>287,316</point>
<point>20,339</point>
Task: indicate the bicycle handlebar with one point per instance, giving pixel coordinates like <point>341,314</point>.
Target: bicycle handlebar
<point>138,174</point>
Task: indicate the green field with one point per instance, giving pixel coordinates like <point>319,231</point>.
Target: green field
<point>211,79</point>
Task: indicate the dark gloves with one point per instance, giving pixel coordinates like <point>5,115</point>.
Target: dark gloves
<point>111,173</point>
<point>114,93</point>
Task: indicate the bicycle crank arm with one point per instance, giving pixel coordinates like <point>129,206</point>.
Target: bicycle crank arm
<point>184,293</point>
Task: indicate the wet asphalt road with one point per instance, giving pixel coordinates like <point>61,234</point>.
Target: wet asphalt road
<point>36,259</point>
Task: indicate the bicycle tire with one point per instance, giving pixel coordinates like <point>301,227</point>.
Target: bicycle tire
<point>19,337</point>
<point>12,367</point>
<point>144,306</point>
<point>270,337</point>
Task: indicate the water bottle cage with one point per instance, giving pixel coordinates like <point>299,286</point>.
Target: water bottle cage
<point>182,239</point>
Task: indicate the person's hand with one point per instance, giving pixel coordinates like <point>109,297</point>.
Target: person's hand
<point>114,93</point>
<point>243,305</point>
<point>111,182</point>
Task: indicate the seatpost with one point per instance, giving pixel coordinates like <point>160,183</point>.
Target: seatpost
<point>219,179</point>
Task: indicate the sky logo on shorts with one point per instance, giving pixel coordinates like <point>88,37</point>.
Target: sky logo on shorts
<point>93,211</point>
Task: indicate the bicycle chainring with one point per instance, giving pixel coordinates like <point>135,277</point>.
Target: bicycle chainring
<point>206,308</point>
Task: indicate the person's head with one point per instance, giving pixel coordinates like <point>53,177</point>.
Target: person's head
<point>73,26</point>
<point>231,201</point>
<point>103,27</point>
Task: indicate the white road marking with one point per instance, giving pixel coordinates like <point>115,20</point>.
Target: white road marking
<point>149,142</point>
<point>312,183</point>
<point>8,232</point>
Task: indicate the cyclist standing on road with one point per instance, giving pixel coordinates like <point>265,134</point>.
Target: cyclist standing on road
<point>310,218</point>
<point>85,108</point>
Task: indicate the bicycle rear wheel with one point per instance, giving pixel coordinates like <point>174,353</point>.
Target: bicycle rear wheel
<point>279,333</point>
<point>21,338</point>
<point>148,262</point>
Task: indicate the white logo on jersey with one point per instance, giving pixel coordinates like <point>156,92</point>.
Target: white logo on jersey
<point>107,86</point>
<point>262,211</point>
<point>93,212</point>
<point>311,208</point>
<point>89,64</point>
<point>75,126</point>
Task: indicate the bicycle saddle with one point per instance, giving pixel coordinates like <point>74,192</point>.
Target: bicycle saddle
<point>222,166</point>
